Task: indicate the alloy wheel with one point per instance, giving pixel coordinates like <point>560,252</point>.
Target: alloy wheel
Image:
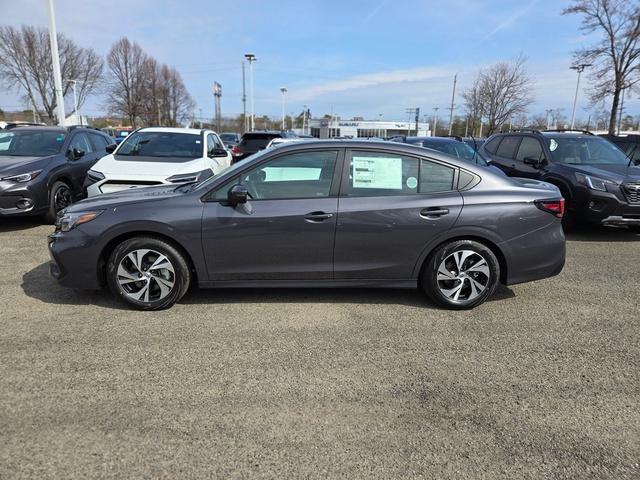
<point>62,198</point>
<point>146,275</point>
<point>463,276</point>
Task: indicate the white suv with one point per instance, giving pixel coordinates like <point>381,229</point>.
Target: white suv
<point>157,155</point>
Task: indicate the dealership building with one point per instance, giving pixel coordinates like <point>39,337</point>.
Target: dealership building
<point>325,128</point>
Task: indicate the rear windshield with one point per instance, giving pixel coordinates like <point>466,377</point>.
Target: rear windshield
<point>226,137</point>
<point>257,140</point>
<point>31,143</point>
<point>164,146</point>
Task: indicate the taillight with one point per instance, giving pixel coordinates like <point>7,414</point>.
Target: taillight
<point>236,150</point>
<point>555,206</point>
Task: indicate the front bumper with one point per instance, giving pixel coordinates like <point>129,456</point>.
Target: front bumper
<point>605,208</point>
<point>22,199</point>
<point>73,263</point>
<point>622,220</point>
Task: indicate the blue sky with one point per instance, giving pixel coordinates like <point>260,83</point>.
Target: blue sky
<point>356,57</point>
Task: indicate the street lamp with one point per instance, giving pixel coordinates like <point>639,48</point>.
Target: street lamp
<point>283,90</point>
<point>75,101</point>
<point>251,58</point>
<point>578,68</point>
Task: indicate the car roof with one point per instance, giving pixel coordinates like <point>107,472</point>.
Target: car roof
<point>433,139</point>
<point>190,131</point>
<point>33,128</point>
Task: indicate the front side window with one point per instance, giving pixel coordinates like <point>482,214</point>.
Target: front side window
<point>585,151</point>
<point>160,147</point>
<point>297,175</point>
<point>80,141</point>
<point>530,148</point>
<point>31,143</point>
<point>507,148</point>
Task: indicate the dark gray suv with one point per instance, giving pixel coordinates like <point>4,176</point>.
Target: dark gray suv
<point>318,214</point>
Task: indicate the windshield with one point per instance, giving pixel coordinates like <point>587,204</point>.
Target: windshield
<point>585,151</point>
<point>31,143</point>
<point>162,146</point>
<point>228,137</point>
<point>457,149</point>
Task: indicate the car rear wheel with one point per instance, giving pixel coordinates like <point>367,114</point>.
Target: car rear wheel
<point>461,274</point>
<point>60,197</point>
<point>148,273</point>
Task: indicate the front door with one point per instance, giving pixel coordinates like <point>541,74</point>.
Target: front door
<point>391,206</point>
<point>530,150</point>
<point>285,231</point>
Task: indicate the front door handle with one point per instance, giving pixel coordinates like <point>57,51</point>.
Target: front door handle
<point>317,216</point>
<point>433,212</point>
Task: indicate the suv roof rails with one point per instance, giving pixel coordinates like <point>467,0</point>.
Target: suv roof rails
<point>73,127</point>
<point>11,125</point>
<point>521,130</point>
<point>569,130</point>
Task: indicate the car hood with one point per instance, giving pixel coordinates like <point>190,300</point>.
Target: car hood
<point>15,165</point>
<point>613,173</point>
<point>111,167</point>
<point>131,195</point>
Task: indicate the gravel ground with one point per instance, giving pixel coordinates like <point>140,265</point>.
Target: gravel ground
<point>543,381</point>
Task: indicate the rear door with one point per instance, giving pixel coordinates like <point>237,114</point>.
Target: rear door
<point>504,157</point>
<point>390,207</point>
<point>286,230</point>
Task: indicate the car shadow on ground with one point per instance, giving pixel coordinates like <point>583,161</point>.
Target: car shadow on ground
<point>597,233</point>
<point>37,283</point>
<point>13,224</point>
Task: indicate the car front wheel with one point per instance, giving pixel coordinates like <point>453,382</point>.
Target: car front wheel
<point>60,197</point>
<point>461,274</point>
<point>148,273</point>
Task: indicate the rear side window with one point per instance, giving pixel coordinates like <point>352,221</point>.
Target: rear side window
<point>507,148</point>
<point>373,174</point>
<point>529,148</point>
<point>492,145</point>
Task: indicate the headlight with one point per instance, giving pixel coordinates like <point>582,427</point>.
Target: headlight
<point>190,177</point>
<point>23,177</point>
<point>592,182</point>
<point>93,176</point>
<point>69,221</point>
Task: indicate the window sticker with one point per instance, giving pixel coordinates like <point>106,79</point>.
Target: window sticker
<point>60,138</point>
<point>553,144</point>
<point>198,141</point>
<point>412,182</point>
<point>377,172</point>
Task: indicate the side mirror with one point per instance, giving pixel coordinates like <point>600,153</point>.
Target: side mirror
<point>218,152</point>
<point>534,162</point>
<point>237,194</point>
<point>111,148</point>
<point>74,154</point>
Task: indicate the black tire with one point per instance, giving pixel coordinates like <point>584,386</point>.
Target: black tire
<point>179,275</point>
<point>469,296</point>
<point>60,196</point>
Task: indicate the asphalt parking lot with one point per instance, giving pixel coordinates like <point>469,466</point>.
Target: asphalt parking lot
<point>543,381</point>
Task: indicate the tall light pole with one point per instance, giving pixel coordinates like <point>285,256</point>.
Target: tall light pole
<point>435,121</point>
<point>453,99</point>
<point>55,60</point>
<point>251,58</point>
<point>75,101</point>
<point>578,68</point>
<point>283,90</point>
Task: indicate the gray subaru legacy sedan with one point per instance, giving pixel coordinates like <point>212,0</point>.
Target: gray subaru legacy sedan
<point>317,214</point>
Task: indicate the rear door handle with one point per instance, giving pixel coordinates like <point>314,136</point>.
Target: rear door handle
<point>433,212</point>
<point>317,216</point>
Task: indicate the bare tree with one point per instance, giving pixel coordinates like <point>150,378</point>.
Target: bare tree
<point>25,65</point>
<point>176,101</point>
<point>126,82</point>
<point>473,105</point>
<point>616,55</point>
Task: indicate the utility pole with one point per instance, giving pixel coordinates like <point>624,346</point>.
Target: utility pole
<point>417,119</point>
<point>75,102</point>
<point>411,112</point>
<point>283,90</point>
<point>466,127</point>
<point>55,60</point>
<point>251,58</point>
<point>217,95</point>
<point>200,117</point>
<point>578,68</point>
<point>435,121</point>
<point>304,119</point>
<point>453,99</point>
<point>244,100</point>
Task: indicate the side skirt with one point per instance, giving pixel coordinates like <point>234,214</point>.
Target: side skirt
<point>368,283</point>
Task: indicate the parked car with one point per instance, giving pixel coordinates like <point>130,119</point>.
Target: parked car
<point>629,144</point>
<point>157,155</point>
<point>118,133</point>
<point>229,138</point>
<point>280,141</point>
<point>318,214</point>
<point>452,146</point>
<point>599,183</point>
<point>42,169</point>
<point>252,142</point>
